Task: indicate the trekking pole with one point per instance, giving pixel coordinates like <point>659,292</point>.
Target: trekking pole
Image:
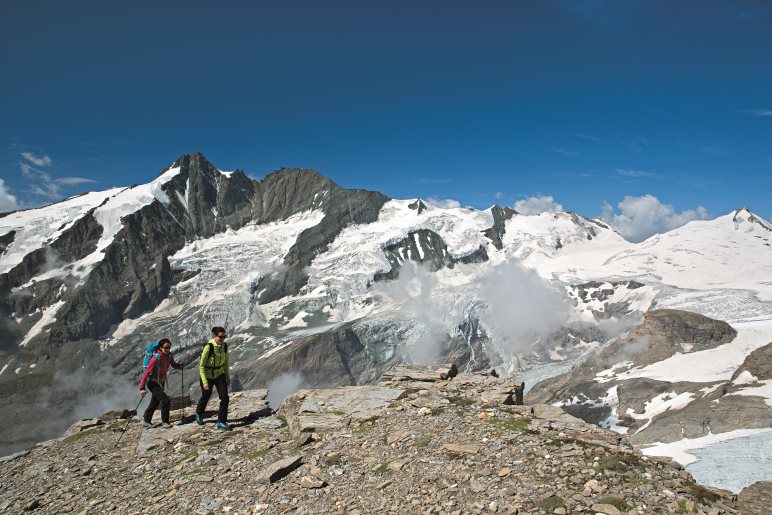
<point>182,395</point>
<point>129,422</point>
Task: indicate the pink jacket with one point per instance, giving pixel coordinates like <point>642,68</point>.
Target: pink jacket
<point>158,368</point>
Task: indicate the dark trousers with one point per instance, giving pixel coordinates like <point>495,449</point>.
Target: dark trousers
<point>222,391</point>
<point>159,397</point>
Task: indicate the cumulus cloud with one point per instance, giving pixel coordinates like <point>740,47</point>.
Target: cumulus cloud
<point>37,160</point>
<point>637,218</point>
<point>443,203</point>
<point>537,204</point>
<point>8,201</point>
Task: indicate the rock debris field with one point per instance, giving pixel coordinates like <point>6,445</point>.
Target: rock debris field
<point>447,446</point>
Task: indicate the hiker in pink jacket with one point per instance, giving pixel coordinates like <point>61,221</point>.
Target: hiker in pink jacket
<point>154,379</point>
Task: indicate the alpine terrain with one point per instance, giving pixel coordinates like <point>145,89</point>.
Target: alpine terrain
<point>666,343</point>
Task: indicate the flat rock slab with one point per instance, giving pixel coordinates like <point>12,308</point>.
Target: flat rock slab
<point>330,409</point>
<point>462,448</point>
<point>278,469</point>
<point>158,436</point>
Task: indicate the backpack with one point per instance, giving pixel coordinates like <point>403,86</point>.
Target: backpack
<point>150,351</point>
<point>211,353</point>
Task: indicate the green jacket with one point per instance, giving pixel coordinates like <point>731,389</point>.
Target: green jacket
<point>215,363</point>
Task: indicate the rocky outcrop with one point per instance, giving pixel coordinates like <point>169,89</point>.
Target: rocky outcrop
<point>390,448</point>
<point>662,334</point>
<point>498,229</point>
<point>425,247</point>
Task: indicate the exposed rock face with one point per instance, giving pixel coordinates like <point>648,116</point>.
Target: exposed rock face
<point>497,231</point>
<point>662,334</point>
<point>437,448</point>
<point>425,247</point>
<point>333,358</point>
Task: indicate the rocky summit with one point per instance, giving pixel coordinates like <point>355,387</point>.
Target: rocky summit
<point>445,443</point>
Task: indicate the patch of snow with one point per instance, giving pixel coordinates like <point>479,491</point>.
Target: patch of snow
<point>660,404</point>
<point>38,227</point>
<point>48,318</point>
<point>745,377</point>
<point>4,367</point>
<point>297,321</point>
<point>765,391</point>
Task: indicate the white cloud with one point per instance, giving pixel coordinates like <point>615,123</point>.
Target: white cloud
<point>565,151</point>
<point>637,218</point>
<point>8,201</point>
<point>443,203</point>
<point>537,204</point>
<point>41,182</point>
<point>760,112</point>
<point>625,172</point>
<point>37,160</point>
<point>72,181</point>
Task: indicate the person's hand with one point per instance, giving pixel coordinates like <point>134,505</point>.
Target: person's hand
<point>206,386</point>
<point>142,393</point>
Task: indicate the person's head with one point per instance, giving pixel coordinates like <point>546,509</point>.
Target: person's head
<point>165,345</point>
<point>219,334</point>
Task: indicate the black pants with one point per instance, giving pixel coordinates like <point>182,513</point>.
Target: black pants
<point>159,397</point>
<point>222,391</point>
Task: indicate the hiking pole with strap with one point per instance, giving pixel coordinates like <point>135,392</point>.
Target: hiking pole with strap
<point>129,422</point>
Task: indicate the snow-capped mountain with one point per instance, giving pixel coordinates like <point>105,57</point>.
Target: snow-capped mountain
<point>337,285</point>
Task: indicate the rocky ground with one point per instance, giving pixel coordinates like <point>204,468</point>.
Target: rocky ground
<point>450,446</point>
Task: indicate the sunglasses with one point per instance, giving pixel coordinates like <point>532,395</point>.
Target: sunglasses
<point>167,347</point>
<point>222,336</point>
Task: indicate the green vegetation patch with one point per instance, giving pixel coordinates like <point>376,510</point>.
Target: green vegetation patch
<point>382,470</point>
<point>364,426</point>
<point>407,393</point>
<point>509,424</point>
<point>616,502</point>
<point>333,459</point>
<point>460,401</point>
<point>257,454</point>
<point>422,441</point>
<point>551,503</point>
<point>702,494</point>
<point>83,434</point>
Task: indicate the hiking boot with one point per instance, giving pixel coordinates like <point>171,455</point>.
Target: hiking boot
<point>166,425</point>
<point>148,425</point>
<point>223,426</point>
<point>199,420</point>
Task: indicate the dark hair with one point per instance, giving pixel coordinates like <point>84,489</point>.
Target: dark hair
<point>164,340</point>
<point>217,330</point>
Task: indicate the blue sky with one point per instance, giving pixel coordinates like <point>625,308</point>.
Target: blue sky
<point>586,102</point>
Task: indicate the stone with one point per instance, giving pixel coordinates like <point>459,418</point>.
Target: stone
<point>505,472</point>
<point>278,469</point>
<point>423,412</point>
<point>308,482</point>
<point>606,509</point>
<point>462,449</point>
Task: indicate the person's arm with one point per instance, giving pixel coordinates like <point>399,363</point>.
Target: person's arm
<point>146,374</point>
<point>201,369</point>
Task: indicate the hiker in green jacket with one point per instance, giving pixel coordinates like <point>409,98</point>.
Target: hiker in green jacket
<point>215,372</point>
